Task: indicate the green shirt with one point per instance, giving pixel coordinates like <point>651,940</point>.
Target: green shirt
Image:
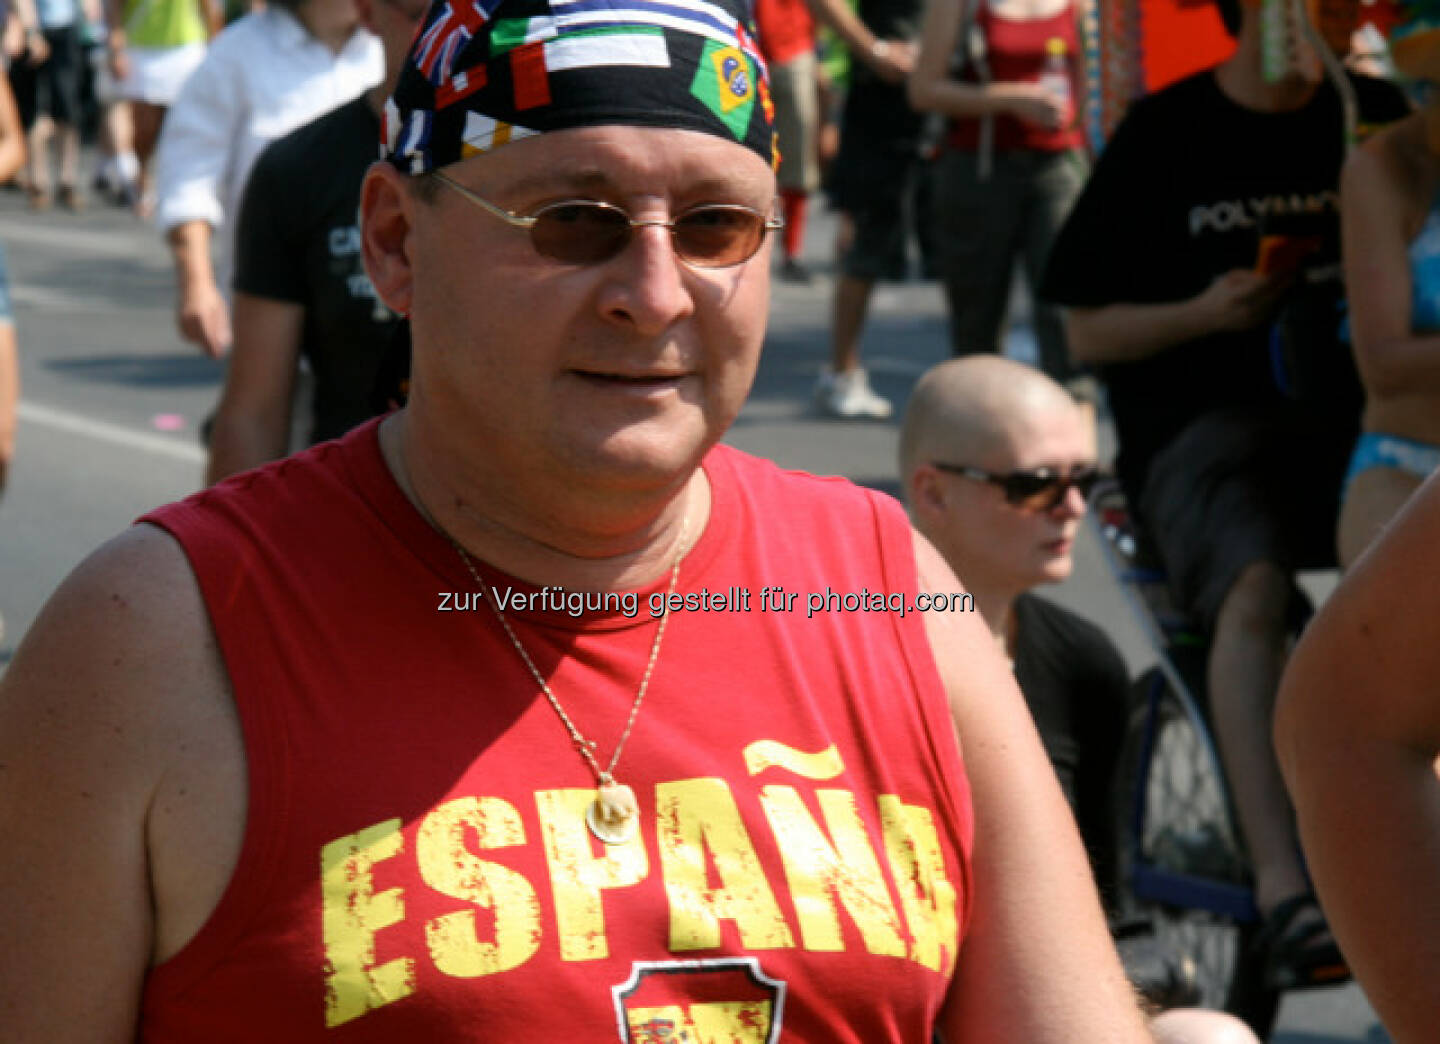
<point>163,23</point>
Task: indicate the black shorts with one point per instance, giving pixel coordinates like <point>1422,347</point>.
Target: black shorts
<point>873,179</point>
<point>57,81</point>
<point>1240,487</point>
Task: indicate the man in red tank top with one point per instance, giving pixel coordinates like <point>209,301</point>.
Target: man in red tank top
<point>530,712</point>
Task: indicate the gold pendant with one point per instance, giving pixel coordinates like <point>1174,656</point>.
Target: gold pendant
<point>613,816</point>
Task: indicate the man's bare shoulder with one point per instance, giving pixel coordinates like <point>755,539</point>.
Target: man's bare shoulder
<point>113,694</point>
<point>117,678</point>
<point>125,631</point>
<point>955,637</point>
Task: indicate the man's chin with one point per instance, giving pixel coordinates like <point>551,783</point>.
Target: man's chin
<point>1055,569</point>
<point>644,454</point>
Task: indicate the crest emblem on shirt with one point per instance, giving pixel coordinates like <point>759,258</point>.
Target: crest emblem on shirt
<point>727,1000</point>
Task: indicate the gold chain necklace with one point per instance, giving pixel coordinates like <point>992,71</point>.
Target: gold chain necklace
<point>613,817</point>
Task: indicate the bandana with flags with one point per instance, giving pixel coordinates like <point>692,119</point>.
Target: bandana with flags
<point>482,73</point>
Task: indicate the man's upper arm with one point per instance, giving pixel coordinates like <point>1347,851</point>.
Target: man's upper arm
<point>939,29</point>
<point>253,420</point>
<point>88,721</point>
<point>1037,964</point>
<point>268,336</point>
<point>195,144</point>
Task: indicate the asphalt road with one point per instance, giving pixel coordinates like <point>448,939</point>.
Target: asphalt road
<point>112,402</point>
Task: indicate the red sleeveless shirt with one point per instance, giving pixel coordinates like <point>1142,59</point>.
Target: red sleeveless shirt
<point>416,865</point>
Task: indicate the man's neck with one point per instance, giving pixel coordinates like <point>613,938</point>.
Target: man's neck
<point>1242,80</point>
<point>997,609</point>
<point>546,533</point>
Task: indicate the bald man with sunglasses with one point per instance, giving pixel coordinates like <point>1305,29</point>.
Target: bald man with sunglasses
<point>996,462</point>
<point>402,738</point>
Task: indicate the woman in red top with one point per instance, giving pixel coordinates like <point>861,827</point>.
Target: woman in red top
<point>1013,159</point>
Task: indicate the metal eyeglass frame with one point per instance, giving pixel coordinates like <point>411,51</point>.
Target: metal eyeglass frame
<point>527,221</point>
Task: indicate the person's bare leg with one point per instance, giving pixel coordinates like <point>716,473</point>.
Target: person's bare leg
<point>118,135</point>
<point>1375,496</point>
<point>69,140</point>
<point>852,302</point>
<point>9,398</point>
<point>1246,660</point>
<point>849,305</point>
<point>41,191</point>
<point>844,389</point>
<point>147,120</point>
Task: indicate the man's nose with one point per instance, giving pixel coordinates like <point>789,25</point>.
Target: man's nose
<point>647,283</point>
<point>1072,504</point>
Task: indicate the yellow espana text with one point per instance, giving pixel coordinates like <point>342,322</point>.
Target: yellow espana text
<point>699,818</point>
<point>351,913</point>
<point>819,871</point>
<point>448,866</point>
<point>578,877</point>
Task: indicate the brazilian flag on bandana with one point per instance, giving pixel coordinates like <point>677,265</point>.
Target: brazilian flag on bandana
<point>725,82</point>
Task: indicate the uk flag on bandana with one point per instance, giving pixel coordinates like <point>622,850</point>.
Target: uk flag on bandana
<point>454,26</point>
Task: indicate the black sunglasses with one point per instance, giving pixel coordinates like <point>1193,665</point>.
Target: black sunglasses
<point>587,231</point>
<point>1038,490</point>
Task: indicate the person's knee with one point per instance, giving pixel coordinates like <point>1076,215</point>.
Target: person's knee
<point>1197,1026</point>
<point>1257,601</point>
<point>147,121</point>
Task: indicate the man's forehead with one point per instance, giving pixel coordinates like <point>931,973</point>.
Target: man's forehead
<point>619,160</point>
<point>1060,434</point>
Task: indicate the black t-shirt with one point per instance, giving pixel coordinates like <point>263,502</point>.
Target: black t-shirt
<point>888,20</point>
<point>1182,193</point>
<point>299,241</point>
<point>1077,688</point>
<point>881,110</point>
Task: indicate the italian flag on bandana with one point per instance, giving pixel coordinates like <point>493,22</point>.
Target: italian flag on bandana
<point>583,47</point>
<point>537,48</point>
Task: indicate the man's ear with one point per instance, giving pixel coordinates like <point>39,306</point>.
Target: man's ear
<point>925,494</point>
<point>387,222</point>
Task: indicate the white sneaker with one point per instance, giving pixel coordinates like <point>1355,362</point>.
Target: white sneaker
<point>848,394</point>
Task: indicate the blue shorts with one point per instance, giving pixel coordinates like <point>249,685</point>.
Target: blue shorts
<point>1375,449</point>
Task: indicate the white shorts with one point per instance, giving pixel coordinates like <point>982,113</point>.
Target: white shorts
<point>106,90</point>
<point>797,121</point>
<point>158,73</point>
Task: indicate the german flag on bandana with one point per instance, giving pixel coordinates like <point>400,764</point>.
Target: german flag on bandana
<point>483,73</point>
